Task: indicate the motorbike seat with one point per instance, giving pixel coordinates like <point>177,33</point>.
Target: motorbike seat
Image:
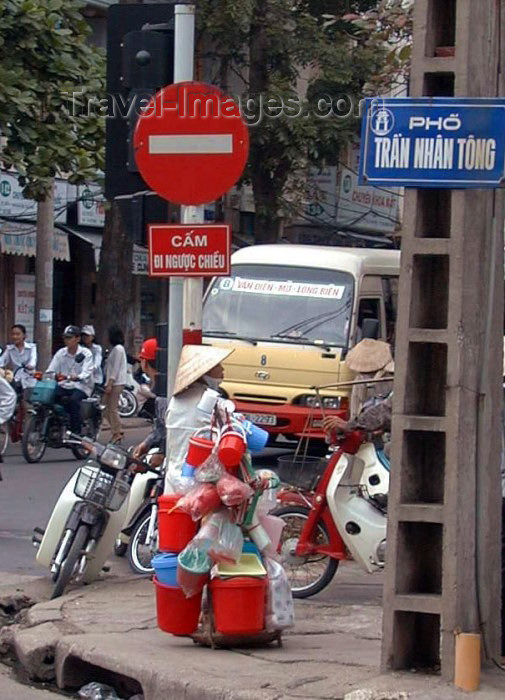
<point>381,499</point>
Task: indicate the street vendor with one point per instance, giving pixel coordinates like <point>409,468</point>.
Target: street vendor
<point>199,369</point>
<point>370,359</point>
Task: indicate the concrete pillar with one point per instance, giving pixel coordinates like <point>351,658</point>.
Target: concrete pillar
<point>442,573</point>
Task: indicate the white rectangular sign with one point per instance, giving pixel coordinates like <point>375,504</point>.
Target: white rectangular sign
<point>24,302</point>
<point>90,206</point>
<point>12,202</point>
<point>372,209</point>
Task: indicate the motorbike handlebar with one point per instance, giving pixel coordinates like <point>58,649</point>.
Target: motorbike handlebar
<point>94,446</point>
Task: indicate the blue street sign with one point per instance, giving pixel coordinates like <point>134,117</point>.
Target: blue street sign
<point>433,142</point>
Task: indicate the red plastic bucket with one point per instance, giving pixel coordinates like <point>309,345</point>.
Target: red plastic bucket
<point>239,604</point>
<point>175,527</point>
<point>198,451</point>
<point>176,614</point>
<point>231,447</point>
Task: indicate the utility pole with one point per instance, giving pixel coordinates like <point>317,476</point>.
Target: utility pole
<point>44,263</point>
<point>443,549</point>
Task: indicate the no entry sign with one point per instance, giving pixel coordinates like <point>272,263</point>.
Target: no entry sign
<point>189,251</point>
<point>191,143</point>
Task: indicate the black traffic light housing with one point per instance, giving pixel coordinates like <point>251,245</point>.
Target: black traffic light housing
<point>139,63</point>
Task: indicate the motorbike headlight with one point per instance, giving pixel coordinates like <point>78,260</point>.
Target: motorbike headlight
<point>113,458</point>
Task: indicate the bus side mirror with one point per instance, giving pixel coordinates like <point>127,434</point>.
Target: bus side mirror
<point>370,328</point>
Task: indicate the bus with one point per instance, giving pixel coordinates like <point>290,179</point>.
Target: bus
<point>291,313</point>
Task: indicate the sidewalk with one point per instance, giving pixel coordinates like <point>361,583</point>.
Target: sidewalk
<point>107,632</point>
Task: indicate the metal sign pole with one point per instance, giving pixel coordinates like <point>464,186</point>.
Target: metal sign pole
<point>184,49</point>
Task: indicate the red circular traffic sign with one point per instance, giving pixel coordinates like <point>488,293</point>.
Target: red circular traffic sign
<point>191,143</point>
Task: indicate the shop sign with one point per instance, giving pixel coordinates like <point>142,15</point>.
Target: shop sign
<point>322,196</point>
<point>90,206</point>
<point>24,302</point>
<point>201,250</point>
<point>21,239</point>
<point>13,203</point>
<point>362,208</point>
<point>139,261</point>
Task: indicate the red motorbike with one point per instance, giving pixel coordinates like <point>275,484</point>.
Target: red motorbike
<point>333,509</point>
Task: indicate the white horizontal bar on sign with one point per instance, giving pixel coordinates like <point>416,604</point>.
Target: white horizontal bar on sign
<point>190,144</point>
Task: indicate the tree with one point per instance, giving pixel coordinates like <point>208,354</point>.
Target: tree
<point>274,48</point>
<point>45,59</point>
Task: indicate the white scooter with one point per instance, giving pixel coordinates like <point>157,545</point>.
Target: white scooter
<point>345,513</point>
<point>88,515</point>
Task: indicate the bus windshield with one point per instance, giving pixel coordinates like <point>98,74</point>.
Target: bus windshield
<point>280,304</point>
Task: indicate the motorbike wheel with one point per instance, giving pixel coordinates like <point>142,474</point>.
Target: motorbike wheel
<point>127,404</point>
<point>139,553</point>
<point>89,429</point>
<point>68,566</point>
<point>307,574</point>
<point>4,437</point>
<point>33,444</point>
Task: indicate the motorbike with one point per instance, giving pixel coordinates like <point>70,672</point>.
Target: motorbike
<point>345,512</point>
<point>128,403</point>
<point>88,515</point>
<point>13,429</point>
<point>49,422</point>
<point>139,537</point>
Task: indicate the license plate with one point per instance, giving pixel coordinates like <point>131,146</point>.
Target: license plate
<point>262,418</point>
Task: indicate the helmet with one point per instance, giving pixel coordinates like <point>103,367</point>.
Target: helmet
<point>148,350</point>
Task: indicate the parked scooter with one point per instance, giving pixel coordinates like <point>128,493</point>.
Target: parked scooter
<point>88,515</point>
<point>49,422</point>
<point>139,537</point>
<point>346,512</point>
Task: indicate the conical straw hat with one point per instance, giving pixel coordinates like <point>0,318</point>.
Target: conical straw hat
<point>197,360</point>
<point>369,356</point>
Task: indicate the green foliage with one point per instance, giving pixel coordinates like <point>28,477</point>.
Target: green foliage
<point>281,49</point>
<point>44,58</point>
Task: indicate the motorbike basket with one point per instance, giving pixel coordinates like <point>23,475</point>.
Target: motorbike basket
<point>43,392</point>
<point>100,488</point>
<point>301,471</point>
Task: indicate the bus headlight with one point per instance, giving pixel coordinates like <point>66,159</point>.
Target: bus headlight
<point>312,401</point>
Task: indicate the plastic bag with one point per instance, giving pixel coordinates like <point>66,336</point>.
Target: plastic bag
<point>280,609</point>
<point>177,483</point>
<point>193,569</point>
<point>228,547</point>
<point>210,530</point>
<point>232,491</point>
<point>97,691</point>
<point>210,471</point>
<point>200,501</point>
<point>271,484</point>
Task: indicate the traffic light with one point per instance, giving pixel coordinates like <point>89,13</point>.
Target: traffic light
<point>139,63</point>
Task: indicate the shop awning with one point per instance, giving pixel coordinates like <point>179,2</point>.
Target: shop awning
<point>139,257</point>
<point>94,239</point>
<point>19,238</point>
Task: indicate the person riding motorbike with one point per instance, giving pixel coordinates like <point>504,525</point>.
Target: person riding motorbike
<point>20,354</point>
<point>88,340</point>
<point>73,367</point>
<point>157,436</point>
<point>147,398</point>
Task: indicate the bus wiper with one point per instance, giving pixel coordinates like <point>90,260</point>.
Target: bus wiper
<point>230,334</point>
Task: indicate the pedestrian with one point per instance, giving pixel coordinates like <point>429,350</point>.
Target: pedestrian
<point>19,354</point>
<point>73,367</point>
<point>115,380</point>
<point>147,396</point>
<point>88,340</point>
<point>7,403</point>
<point>199,369</point>
<point>157,436</point>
